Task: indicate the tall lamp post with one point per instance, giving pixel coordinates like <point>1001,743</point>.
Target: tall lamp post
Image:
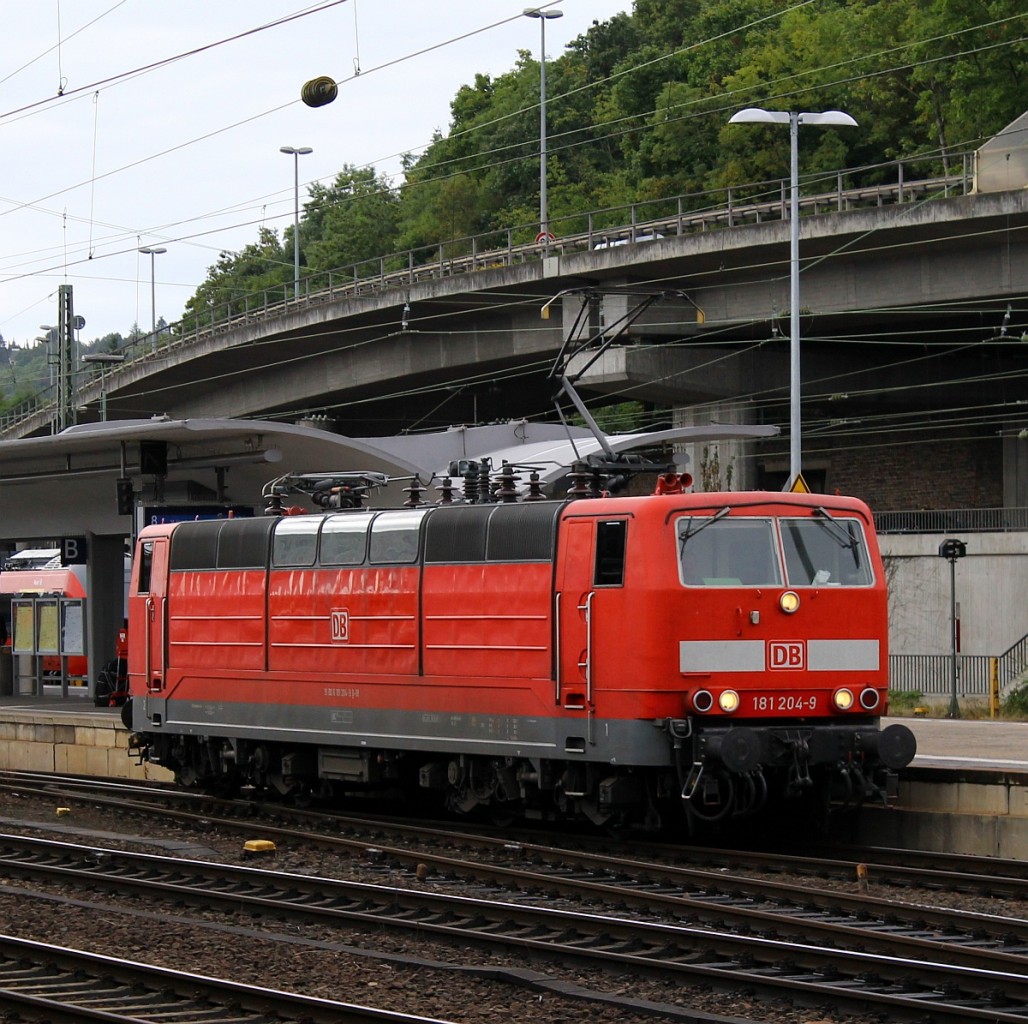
<point>153,252</point>
<point>793,119</point>
<point>296,152</point>
<point>103,359</point>
<point>544,217</point>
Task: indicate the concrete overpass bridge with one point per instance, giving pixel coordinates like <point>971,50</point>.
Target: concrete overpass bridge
<point>467,338</point>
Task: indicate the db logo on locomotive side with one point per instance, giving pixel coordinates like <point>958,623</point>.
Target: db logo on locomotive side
<point>340,625</point>
<point>786,654</point>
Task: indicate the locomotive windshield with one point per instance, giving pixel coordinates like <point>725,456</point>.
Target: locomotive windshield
<point>825,552</point>
<point>736,551</point>
<point>728,552</point>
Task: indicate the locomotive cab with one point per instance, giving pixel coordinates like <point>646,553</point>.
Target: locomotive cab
<point>783,653</point>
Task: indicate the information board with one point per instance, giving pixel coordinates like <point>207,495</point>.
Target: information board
<point>73,633</point>
<point>23,619</point>
<point>48,637</point>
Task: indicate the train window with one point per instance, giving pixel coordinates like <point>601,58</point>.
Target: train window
<point>456,533</point>
<point>145,567</point>
<point>194,545</point>
<point>295,541</point>
<point>727,552</point>
<point>827,552</point>
<point>344,539</point>
<point>522,532</point>
<point>610,553</point>
<point>243,543</point>
<point>394,536</point>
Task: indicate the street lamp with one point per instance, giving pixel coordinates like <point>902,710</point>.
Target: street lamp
<point>296,153</point>
<point>793,119</point>
<point>153,252</point>
<point>544,219</point>
<point>103,359</point>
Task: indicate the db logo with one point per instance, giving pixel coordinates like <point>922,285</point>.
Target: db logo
<point>340,625</point>
<point>786,654</point>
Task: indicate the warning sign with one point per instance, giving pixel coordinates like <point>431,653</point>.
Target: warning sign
<point>799,485</point>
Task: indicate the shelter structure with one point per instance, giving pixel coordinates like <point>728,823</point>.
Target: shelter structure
<point>88,490</point>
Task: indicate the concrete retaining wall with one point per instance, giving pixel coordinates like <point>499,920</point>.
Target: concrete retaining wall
<point>951,810</point>
<point>72,742</point>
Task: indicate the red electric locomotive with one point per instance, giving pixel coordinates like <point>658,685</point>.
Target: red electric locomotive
<point>625,660</point>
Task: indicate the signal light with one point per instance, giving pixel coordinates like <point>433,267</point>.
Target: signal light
<point>126,497</point>
<point>153,458</point>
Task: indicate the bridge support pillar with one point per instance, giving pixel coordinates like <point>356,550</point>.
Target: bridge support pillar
<point>719,465</point>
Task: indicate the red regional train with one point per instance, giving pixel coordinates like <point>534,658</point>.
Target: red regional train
<point>631,661</point>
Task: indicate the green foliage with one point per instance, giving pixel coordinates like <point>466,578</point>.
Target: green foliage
<point>1015,705</point>
<point>712,478</point>
<point>351,222</point>
<point>904,701</point>
<point>637,110</point>
<point>240,281</point>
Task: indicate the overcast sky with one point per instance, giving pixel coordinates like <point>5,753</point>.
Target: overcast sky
<point>109,143</point>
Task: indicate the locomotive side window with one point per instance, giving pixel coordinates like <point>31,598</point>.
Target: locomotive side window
<point>825,552</point>
<point>296,540</point>
<point>195,545</point>
<point>243,543</point>
<point>344,539</point>
<point>394,537</point>
<point>727,552</point>
<point>457,534</point>
<point>522,532</point>
<point>145,567</point>
<point>610,553</point>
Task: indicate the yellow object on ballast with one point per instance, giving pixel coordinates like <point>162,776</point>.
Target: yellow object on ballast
<point>258,846</point>
<point>62,811</point>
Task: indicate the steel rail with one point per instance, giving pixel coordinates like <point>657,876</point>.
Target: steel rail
<point>938,989</point>
<point>60,984</point>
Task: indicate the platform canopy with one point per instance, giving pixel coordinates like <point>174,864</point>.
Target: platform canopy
<point>66,484</point>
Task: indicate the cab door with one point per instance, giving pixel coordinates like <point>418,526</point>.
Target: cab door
<point>574,615</point>
<point>148,614</point>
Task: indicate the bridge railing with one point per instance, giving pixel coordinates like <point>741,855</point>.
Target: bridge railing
<point>953,520</point>
<point>894,182</point>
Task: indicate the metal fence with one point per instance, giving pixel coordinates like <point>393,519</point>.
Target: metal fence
<point>933,673</point>
<point>953,520</point>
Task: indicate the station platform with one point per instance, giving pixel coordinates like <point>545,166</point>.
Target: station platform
<point>966,790</point>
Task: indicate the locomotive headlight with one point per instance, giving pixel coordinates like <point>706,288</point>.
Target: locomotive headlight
<point>703,701</point>
<point>789,602</point>
<point>843,699</point>
<point>728,701</point>
<point>869,698</point>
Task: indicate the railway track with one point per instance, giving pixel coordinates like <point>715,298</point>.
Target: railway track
<point>938,982</point>
<point>903,869</point>
<point>43,982</point>
<point>715,895</point>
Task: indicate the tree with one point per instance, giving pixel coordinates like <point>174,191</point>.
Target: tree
<point>351,221</point>
<point>240,281</point>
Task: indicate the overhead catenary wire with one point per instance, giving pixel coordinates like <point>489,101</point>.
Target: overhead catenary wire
<point>870,250</point>
<point>165,152</point>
